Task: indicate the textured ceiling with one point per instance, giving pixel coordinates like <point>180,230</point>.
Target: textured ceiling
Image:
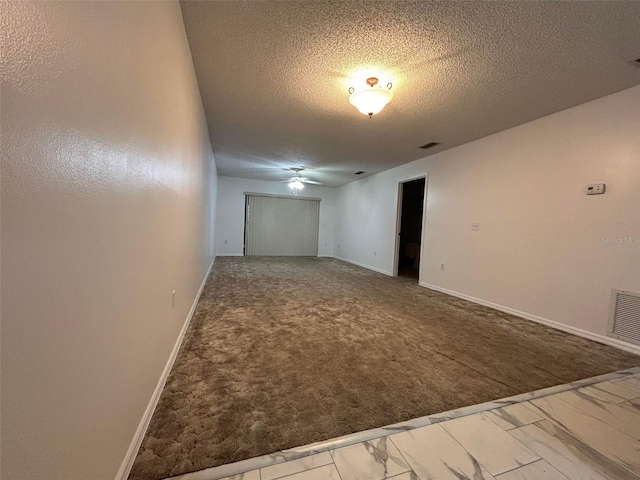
<point>274,75</point>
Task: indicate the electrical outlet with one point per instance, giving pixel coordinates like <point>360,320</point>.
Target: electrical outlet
<point>442,266</point>
<point>173,300</point>
<point>475,226</point>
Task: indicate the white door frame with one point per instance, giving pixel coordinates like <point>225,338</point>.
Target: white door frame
<point>396,255</point>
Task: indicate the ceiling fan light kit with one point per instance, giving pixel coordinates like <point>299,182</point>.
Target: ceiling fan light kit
<point>372,99</point>
<point>296,184</point>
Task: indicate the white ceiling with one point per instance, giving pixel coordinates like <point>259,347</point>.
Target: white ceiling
<point>274,75</point>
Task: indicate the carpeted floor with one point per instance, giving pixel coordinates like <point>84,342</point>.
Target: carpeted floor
<point>284,352</point>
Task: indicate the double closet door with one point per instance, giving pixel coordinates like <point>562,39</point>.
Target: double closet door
<point>281,226</point>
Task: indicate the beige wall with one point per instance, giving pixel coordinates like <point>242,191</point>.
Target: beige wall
<point>108,185</point>
<point>542,247</point>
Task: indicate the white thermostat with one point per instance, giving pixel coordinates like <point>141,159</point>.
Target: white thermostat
<point>595,189</point>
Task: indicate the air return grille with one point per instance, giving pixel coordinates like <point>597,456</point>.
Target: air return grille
<point>624,316</point>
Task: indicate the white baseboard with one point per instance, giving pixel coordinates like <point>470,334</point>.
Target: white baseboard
<point>130,457</point>
<point>614,342</point>
<point>229,255</point>
<point>368,267</point>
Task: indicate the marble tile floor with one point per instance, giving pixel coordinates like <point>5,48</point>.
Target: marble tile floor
<point>584,430</point>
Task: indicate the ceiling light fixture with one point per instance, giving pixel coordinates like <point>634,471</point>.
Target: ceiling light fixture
<point>372,99</point>
<point>296,185</point>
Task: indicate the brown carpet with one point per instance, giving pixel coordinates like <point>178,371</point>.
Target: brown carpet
<point>284,352</point>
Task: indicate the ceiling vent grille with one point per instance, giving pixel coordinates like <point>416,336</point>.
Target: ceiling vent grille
<point>429,145</point>
<point>624,316</point>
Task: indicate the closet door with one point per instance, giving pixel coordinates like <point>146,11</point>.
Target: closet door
<point>281,226</point>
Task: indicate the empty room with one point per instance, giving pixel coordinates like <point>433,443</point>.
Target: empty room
<point>318,239</point>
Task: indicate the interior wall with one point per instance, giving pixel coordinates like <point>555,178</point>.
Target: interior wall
<point>543,247</point>
<point>108,185</point>
<point>231,204</point>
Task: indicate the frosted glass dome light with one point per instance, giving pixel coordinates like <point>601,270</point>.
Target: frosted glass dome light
<point>370,101</point>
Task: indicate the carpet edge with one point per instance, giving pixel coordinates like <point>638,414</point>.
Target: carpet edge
<point>229,470</point>
<point>596,337</point>
<point>368,267</point>
<point>134,446</point>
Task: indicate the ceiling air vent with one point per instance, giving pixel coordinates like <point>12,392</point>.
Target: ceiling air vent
<point>624,316</point>
<point>359,173</point>
<point>429,145</point>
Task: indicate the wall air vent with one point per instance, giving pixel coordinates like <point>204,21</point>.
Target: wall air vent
<point>359,173</point>
<point>624,316</point>
<point>429,145</point>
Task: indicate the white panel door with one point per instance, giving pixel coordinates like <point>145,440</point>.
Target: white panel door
<point>281,226</point>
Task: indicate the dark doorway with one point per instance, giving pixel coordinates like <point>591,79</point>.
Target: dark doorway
<point>411,228</point>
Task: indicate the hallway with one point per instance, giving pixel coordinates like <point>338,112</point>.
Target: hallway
<point>147,146</point>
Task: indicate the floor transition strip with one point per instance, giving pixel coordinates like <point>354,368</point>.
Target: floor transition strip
<point>243,466</point>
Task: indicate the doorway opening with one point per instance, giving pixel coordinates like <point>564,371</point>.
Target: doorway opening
<point>410,228</point>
